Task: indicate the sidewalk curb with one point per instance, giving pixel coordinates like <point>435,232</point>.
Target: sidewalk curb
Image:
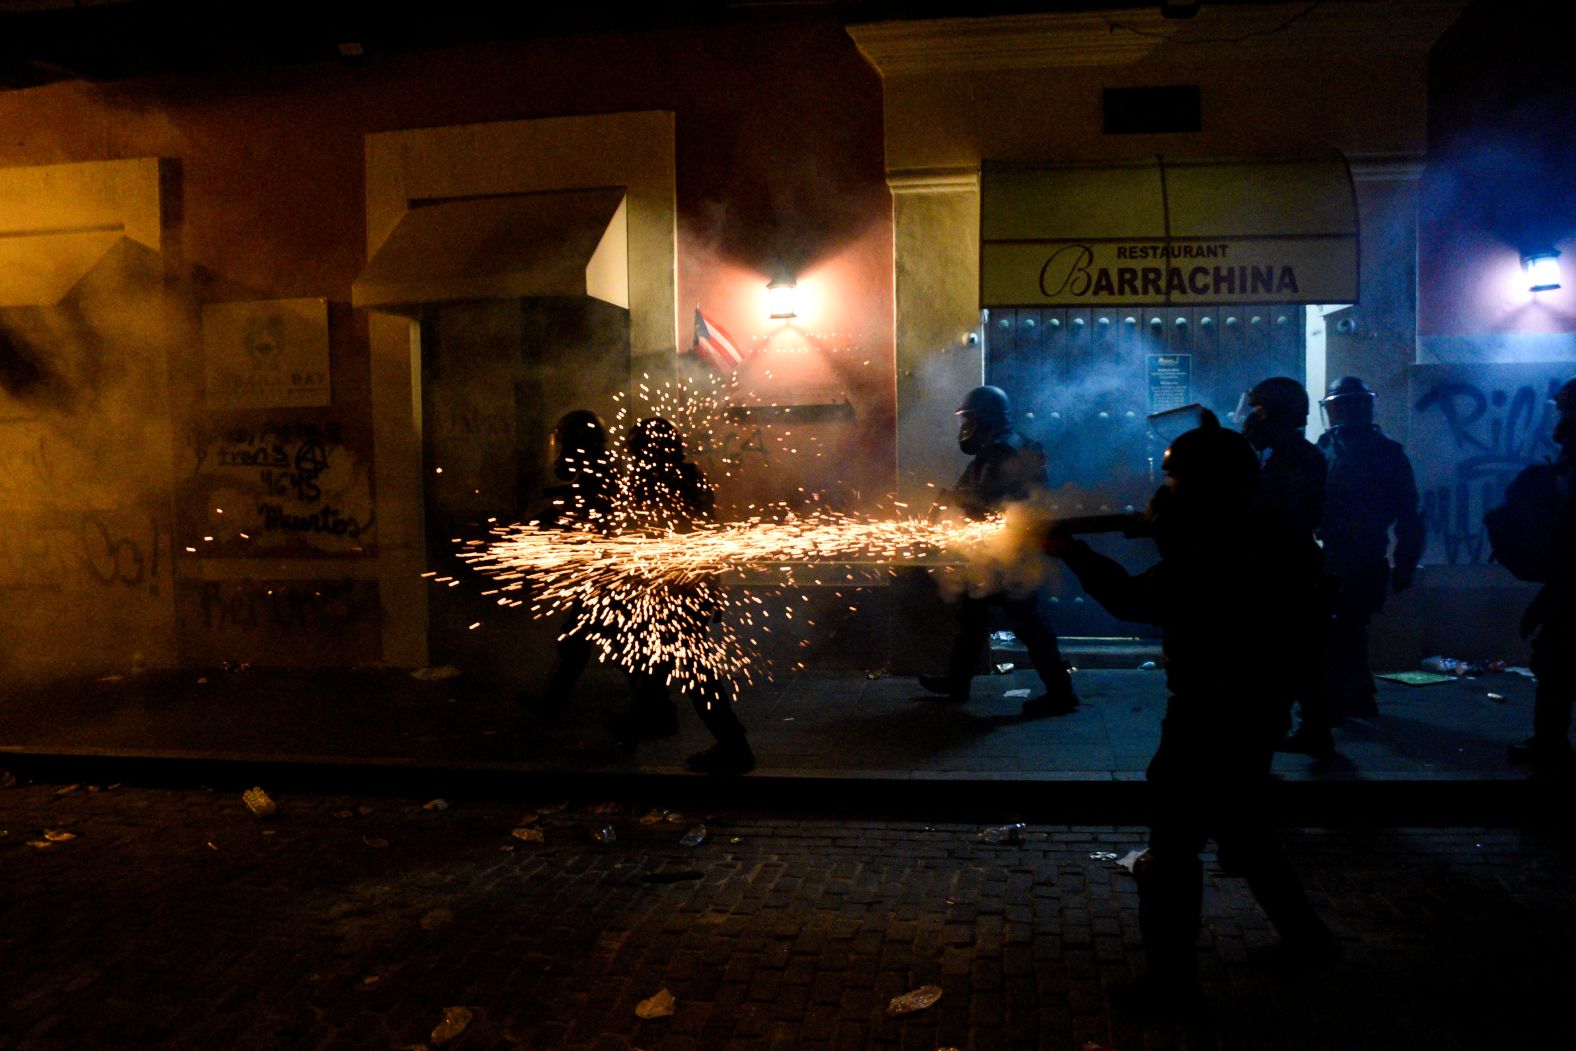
<point>1075,799</point>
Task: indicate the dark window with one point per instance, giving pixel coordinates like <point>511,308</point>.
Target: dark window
<point>1150,111</point>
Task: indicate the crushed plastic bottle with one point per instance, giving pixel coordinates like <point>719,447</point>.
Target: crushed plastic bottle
<point>694,837</point>
<point>1002,638</point>
<point>1004,668</point>
<point>604,834</point>
<point>916,1000</point>
<point>1012,833</point>
<point>1104,855</point>
<point>1497,698</point>
<point>1440,665</point>
<point>528,835</point>
<point>1149,666</point>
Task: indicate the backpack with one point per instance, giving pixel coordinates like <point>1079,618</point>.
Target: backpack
<point>1522,530</point>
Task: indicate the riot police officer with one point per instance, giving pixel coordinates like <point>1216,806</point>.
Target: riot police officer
<point>1551,619</point>
<point>1230,577</point>
<point>1006,468</point>
<point>583,501</point>
<point>1369,490</point>
<point>664,490</point>
<point>1273,415</point>
<point>1291,478</point>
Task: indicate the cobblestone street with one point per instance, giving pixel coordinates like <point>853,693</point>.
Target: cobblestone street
<point>177,918</point>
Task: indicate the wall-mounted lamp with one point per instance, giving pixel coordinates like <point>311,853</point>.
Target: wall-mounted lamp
<point>1542,269</point>
<point>782,296</point>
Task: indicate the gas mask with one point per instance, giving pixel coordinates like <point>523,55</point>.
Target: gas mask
<point>976,431</point>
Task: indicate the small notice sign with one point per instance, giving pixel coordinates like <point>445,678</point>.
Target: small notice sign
<point>1170,381</point>
<point>266,354</point>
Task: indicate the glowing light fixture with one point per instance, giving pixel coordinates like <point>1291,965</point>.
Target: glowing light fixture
<point>782,297</point>
<point>1542,270</point>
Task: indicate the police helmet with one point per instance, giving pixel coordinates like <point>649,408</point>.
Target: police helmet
<point>1281,398</point>
<point>579,430</point>
<point>1565,398</point>
<point>1349,400</point>
<point>655,440</point>
<point>985,402</point>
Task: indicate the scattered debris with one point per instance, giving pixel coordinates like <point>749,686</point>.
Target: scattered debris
<point>455,1019</point>
<point>437,674</point>
<point>1012,833</point>
<point>41,844</point>
<point>1016,694</point>
<point>528,835</point>
<point>1149,666</point>
<point>877,673</point>
<point>604,834</point>
<point>7,779</point>
<point>552,808</point>
<point>1497,698</point>
<point>1092,1045</point>
<point>1004,668</point>
<point>1134,860</point>
<point>917,1000</point>
<point>270,832</point>
<point>1104,855</point>
<point>59,835</point>
<point>203,681</point>
<point>66,791</point>
<point>694,837</point>
<point>258,802</point>
<point>953,901</point>
<point>605,808</point>
<point>111,678</point>
<point>213,846</point>
<point>660,1005</point>
<point>735,840</point>
<point>436,804</point>
<point>1524,672</point>
<point>653,817</point>
<point>1416,678</point>
<point>375,842</point>
<point>370,980</point>
<point>363,810</point>
<point>439,917</point>
<point>343,815</point>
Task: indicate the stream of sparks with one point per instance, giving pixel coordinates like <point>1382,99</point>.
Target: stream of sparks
<point>660,601</point>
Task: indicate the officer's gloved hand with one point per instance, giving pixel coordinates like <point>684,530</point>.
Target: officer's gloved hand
<point>1401,576</point>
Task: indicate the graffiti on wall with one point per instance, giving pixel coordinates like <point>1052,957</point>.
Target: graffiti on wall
<point>70,550</point>
<point>277,487</point>
<point>280,623</point>
<point>1473,428</point>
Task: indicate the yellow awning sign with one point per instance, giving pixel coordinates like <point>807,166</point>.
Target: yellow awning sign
<point>1181,233</point>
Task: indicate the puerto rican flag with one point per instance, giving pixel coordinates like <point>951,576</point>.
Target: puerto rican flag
<point>714,344</point>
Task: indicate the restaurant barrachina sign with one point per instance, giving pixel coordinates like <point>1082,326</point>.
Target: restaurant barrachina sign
<point>1163,231</point>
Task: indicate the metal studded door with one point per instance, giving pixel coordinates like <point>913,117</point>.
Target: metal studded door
<point>1082,382</point>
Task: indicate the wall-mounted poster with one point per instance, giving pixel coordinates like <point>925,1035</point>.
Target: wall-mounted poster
<point>266,354</point>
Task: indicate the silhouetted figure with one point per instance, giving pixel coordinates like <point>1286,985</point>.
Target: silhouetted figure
<point>664,491</point>
<point>582,502</point>
<point>1006,468</point>
<point>1368,491</point>
<point>1230,578</point>
<point>1292,471</point>
<point>1551,618</point>
<point>1273,415</point>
